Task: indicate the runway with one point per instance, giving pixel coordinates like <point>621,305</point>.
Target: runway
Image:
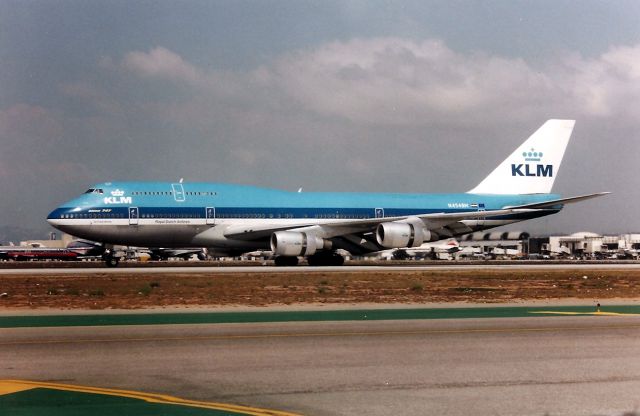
<point>303,269</point>
<point>502,366</point>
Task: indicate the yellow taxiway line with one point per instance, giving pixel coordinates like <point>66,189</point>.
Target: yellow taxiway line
<point>596,313</point>
<point>14,386</point>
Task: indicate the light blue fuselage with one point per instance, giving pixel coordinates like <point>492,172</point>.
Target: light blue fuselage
<point>160,214</point>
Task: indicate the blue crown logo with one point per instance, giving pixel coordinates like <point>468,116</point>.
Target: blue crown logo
<point>532,156</point>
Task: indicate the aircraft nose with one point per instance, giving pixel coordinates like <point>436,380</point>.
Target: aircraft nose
<point>54,216</point>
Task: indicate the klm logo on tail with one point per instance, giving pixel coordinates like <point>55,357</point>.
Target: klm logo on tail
<point>526,169</point>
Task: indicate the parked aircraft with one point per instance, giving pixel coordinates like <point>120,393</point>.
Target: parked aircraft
<point>235,219</point>
<point>435,250</point>
<point>18,253</point>
<point>182,253</point>
<point>75,250</point>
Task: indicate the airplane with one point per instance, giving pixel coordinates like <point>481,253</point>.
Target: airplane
<point>19,253</point>
<point>182,253</point>
<point>435,250</point>
<point>75,250</point>
<point>234,219</point>
<point>86,249</point>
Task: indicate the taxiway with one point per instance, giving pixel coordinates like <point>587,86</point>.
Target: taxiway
<point>502,366</point>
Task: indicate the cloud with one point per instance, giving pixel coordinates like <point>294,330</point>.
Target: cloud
<point>610,85</point>
<point>401,82</point>
<point>162,63</point>
<point>93,96</point>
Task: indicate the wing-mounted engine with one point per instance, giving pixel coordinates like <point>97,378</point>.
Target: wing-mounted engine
<point>406,233</point>
<point>292,243</point>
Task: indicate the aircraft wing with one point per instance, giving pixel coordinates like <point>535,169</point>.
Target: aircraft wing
<point>248,233</point>
<point>340,228</point>
<point>555,202</point>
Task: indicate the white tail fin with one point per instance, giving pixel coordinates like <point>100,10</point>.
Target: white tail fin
<point>533,167</point>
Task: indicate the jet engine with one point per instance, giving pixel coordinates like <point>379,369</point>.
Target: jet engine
<point>402,234</point>
<point>292,243</point>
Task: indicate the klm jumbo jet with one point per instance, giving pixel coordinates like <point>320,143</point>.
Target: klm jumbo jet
<point>234,219</point>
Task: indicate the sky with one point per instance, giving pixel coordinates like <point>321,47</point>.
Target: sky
<point>368,96</point>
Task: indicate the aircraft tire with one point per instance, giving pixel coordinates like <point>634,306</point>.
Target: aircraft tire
<point>286,261</point>
<point>112,261</point>
<point>400,255</point>
<point>325,259</point>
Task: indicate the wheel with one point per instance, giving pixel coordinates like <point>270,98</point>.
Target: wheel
<point>400,255</point>
<point>338,260</point>
<point>112,261</point>
<point>286,261</point>
<point>325,259</point>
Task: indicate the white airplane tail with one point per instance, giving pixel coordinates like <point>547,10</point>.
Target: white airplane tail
<point>532,167</point>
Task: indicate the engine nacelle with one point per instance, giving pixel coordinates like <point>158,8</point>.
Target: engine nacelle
<point>402,234</point>
<point>291,243</point>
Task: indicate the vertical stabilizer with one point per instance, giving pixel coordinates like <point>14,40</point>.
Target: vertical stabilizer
<point>533,166</point>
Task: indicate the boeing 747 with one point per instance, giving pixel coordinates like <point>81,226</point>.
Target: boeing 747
<point>234,219</point>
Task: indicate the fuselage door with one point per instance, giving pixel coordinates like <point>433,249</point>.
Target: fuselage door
<point>379,212</point>
<point>211,215</point>
<point>133,215</point>
<point>178,192</point>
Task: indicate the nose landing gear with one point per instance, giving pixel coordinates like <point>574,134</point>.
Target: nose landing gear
<point>111,258</point>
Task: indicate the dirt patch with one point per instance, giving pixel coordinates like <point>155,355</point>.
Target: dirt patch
<point>133,291</point>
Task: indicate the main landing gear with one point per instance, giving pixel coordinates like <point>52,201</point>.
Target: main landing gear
<point>322,258</point>
<point>110,258</point>
<point>111,261</point>
<point>286,261</point>
<point>325,259</point>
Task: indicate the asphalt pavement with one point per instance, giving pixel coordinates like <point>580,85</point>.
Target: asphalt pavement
<point>566,365</point>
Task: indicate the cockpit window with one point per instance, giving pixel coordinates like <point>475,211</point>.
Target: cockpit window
<point>90,191</point>
<point>94,191</point>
